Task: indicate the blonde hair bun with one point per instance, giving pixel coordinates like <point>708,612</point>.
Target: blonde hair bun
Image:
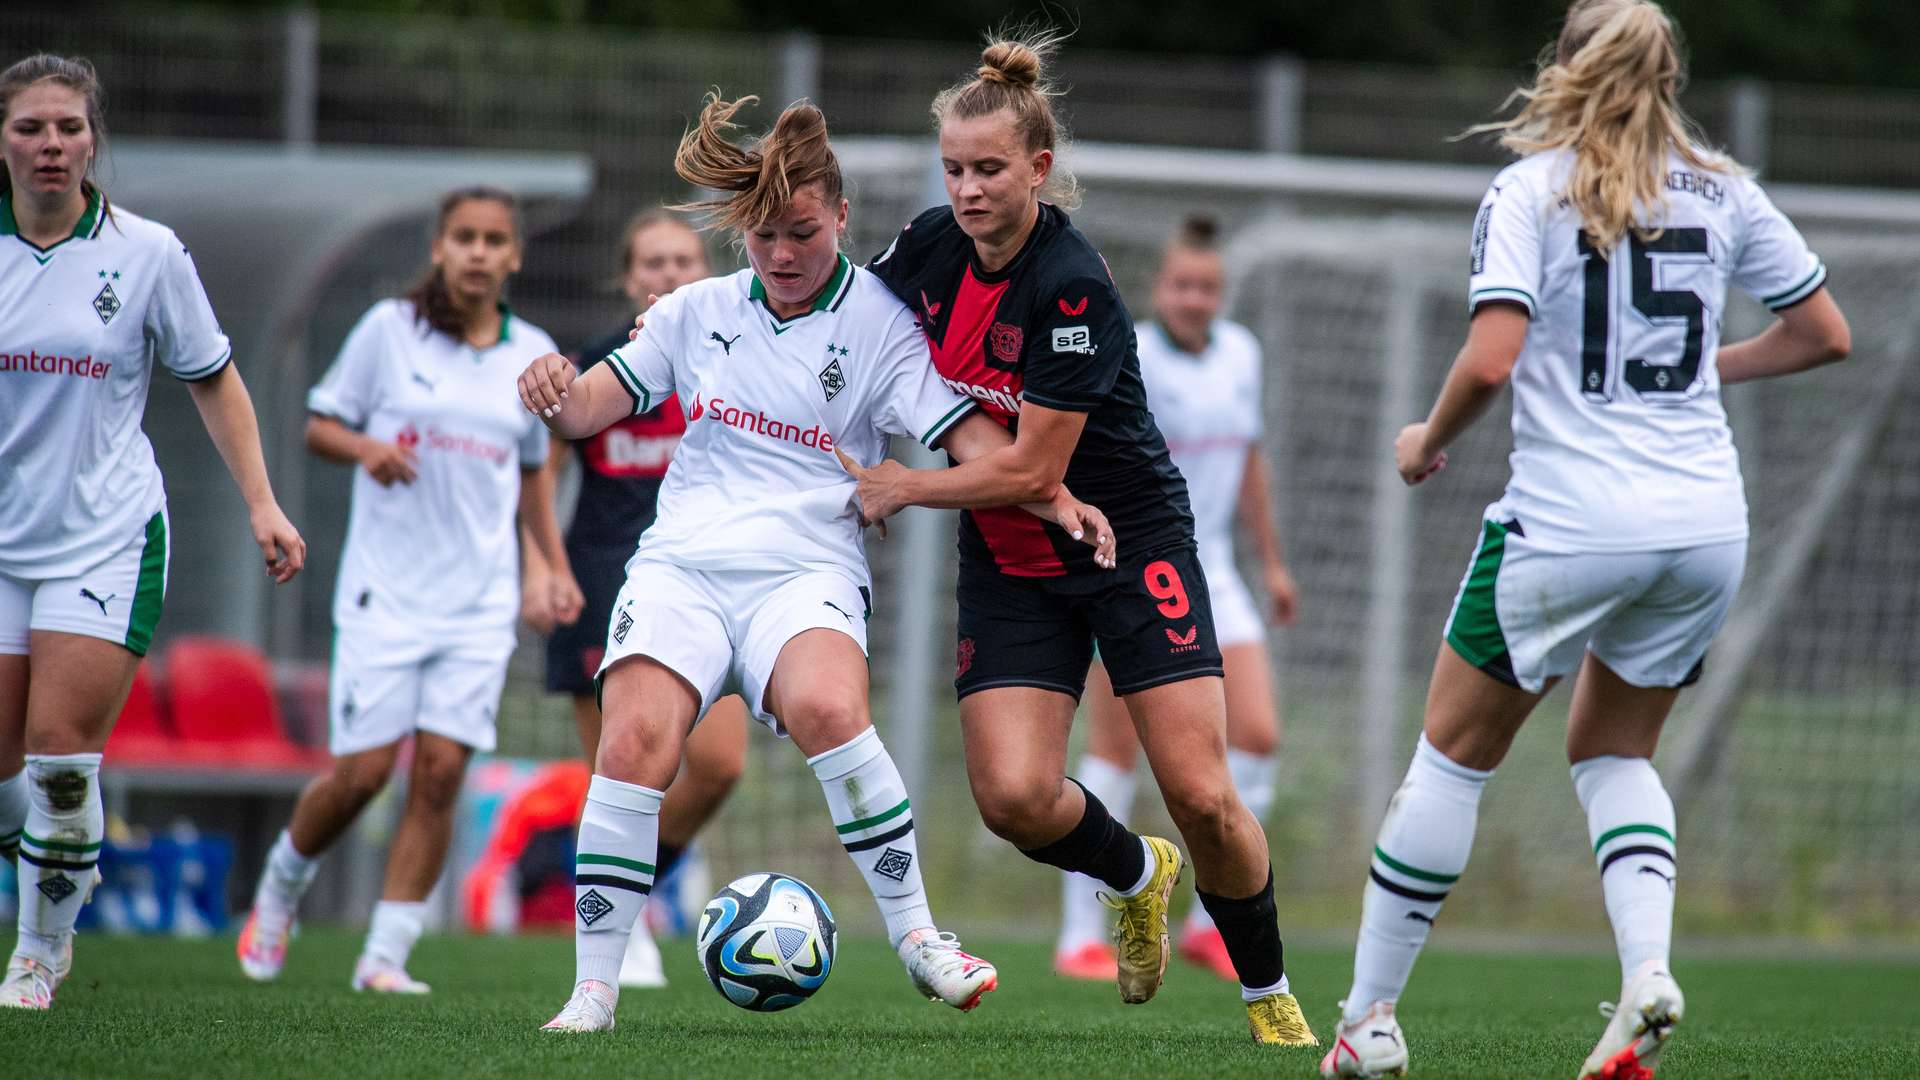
<point>1012,63</point>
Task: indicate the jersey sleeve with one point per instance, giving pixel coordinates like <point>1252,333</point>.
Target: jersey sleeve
<point>644,366</point>
<point>180,322</point>
<point>350,389</point>
<point>896,266</point>
<point>1081,335</point>
<point>910,398</point>
<point>1774,264</point>
<point>1504,266</point>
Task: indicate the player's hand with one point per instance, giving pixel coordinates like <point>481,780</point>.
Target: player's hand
<point>1411,457</point>
<point>1283,593</point>
<point>390,462</point>
<point>1088,525</point>
<point>640,320</point>
<point>543,386</point>
<point>565,600</point>
<point>879,489</point>
<point>280,542</point>
<point>536,601</point>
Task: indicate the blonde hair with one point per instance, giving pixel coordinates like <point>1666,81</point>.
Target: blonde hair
<point>763,177</point>
<point>1608,90</point>
<point>643,221</point>
<point>77,75</point>
<point>1012,76</point>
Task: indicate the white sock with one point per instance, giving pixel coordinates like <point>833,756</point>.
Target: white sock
<point>59,847</point>
<point>1083,918</point>
<point>1422,850</point>
<point>396,926</point>
<point>873,817</point>
<point>1146,873</point>
<point>1254,777</point>
<point>284,879</point>
<point>612,873</point>
<point>13,812</point>
<point>1630,822</point>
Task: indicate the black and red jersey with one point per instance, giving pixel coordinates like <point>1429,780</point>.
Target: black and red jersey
<point>1049,329</point>
<point>621,468</point>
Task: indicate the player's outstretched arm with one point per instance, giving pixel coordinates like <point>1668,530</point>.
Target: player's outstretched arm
<point>573,405</point>
<point>227,411</point>
<point>1478,375</point>
<point>1808,334</point>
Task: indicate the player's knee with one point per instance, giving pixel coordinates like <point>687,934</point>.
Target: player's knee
<point>436,776</point>
<point>1016,808</point>
<point>359,778</point>
<point>830,719</point>
<point>637,753</point>
<point>1202,809</point>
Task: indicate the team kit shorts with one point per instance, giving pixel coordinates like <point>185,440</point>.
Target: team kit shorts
<point>1527,616</point>
<point>722,630</point>
<point>117,599</point>
<point>388,682</point>
<point>1152,618</point>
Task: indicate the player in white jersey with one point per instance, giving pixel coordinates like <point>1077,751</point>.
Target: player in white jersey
<point>1600,267</point>
<point>1202,375</point>
<point>420,399</point>
<point>753,575</point>
<point>91,298</point>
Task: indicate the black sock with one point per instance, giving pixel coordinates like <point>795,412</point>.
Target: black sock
<point>1098,847</point>
<point>665,858</point>
<point>1251,930</point>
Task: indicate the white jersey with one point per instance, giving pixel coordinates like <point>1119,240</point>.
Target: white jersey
<point>1208,408</point>
<point>754,484</point>
<point>1619,439</point>
<point>439,556</point>
<point>81,325</point>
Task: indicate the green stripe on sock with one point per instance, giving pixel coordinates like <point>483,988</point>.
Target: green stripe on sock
<point>56,845</point>
<point>613,860</point>
<point>1612,834</point>
<point>868,823</point>
<point>1423,875</point>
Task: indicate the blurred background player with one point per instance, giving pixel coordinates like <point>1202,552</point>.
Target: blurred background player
<point>620,473</point>
<point>1202,374</point>
<point>421,400</point>
<point>754,574</point>
<point>94,296</point>
<point>1599,274</point>
<point>1023,315</point>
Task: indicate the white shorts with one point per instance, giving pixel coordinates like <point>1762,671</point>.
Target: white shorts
<point>722,630</point>
<point>1236,617</point>
<point>385,686</point>
<point>1526,616</point>
<point>117,599</point>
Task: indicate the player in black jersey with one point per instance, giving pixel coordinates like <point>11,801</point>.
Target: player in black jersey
<point>1023,315</point>
<point>620,473</point>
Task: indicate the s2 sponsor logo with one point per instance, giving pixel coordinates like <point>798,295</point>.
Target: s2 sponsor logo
<point>1074,339</point>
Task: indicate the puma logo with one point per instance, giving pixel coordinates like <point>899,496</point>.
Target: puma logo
<point>1072,310</point>
<point>1417,917</point>
<point>1376,1033</point>
<point>932,309</point>
<point>1663,877</point>
<point>726,344</point>
<point>423,381</point>
<point>838,608</point>
<point>1193,632</point>
<point>89,594</point>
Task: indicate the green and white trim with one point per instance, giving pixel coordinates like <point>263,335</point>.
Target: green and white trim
<point>1408,881</point>
<point>831,296</point>
<point>1628,840</point>
<point>1501,294</point>
<point>946,422</point>
<point>1799,291</point>
<point>1473,628</point>
<point>612,872</point>
<point>873,831</point>
<point>88,227</point>
<point>151,589</point>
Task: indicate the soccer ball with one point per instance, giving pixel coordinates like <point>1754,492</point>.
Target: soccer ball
<point>766,942</point>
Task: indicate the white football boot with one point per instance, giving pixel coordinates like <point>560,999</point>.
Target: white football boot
<point>28,985</point>
<point>589,1009</point>
<point>1371,1046</point>
<point>942,971</point>
<point>640,967</point>
<point>383,978</point>
<point>1637,1028</point>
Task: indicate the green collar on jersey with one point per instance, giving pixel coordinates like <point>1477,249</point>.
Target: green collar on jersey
<point>85,229</point>
<point>506,323</point>
<point>830,298</point>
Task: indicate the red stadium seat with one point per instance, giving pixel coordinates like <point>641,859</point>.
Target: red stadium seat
<point>141,737</point>
<point>224,710</point>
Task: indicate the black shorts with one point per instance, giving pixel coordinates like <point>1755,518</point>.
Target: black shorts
<point>1151,617</point>
<point>574,652</point>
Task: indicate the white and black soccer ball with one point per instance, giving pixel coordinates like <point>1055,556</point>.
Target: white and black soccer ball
<point>767,942</point>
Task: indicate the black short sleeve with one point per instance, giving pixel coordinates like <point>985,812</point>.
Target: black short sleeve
<point>1080,335</point>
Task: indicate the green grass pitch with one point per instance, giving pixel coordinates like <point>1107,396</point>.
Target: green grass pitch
<point>166,1008</point>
